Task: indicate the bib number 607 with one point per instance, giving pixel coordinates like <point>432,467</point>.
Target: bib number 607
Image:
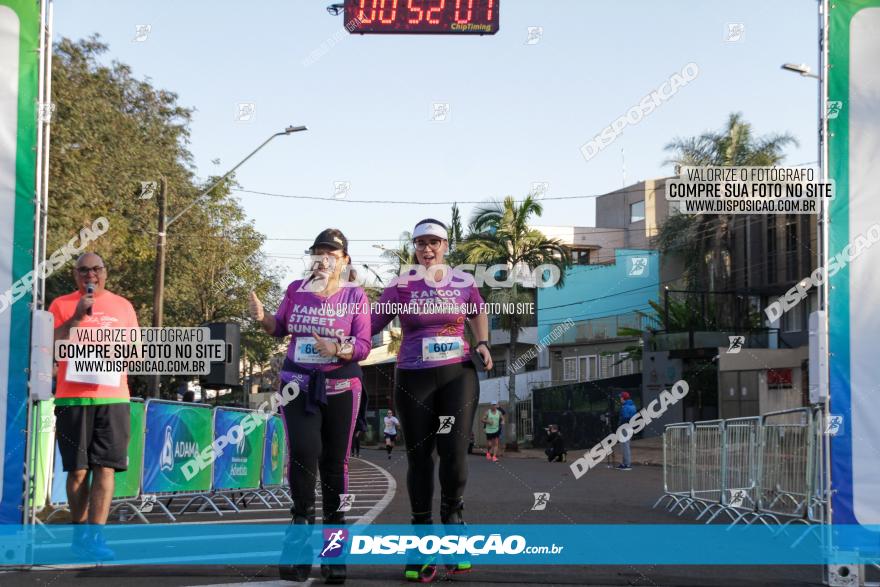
<point>442,347</point>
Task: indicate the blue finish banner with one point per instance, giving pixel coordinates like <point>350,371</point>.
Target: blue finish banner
<point>522,544</point>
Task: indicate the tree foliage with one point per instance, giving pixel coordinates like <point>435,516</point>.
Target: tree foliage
<point>110,133</point>
<point>704,240</point>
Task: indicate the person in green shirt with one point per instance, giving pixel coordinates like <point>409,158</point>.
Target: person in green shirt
<point>492,421</point>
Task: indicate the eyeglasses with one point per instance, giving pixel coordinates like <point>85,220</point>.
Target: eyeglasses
<point>86,270</point>
<point>422,245</point>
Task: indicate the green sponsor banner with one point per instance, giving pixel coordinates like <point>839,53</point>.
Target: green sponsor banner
<point>43,451</point>
<point>128,482</point>
<point>176,434</point>
<point>19,72</point>
<point>238,466</point>
<point>274,452</point>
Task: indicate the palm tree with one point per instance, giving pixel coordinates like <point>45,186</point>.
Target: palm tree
<point>455,256</point>
<point>704,240</point>
<point>500,234</point>
<point>404,254</point>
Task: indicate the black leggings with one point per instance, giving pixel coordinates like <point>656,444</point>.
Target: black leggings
<point>422,397</point>
<point>322,442</point>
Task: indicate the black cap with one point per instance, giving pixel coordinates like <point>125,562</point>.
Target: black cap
<point>332,238</point>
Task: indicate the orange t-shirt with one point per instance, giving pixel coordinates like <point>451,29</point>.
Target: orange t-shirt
<point>108,311</point>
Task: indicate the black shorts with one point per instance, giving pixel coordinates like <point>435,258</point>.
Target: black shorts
<point>391,437</point>
<point>491,435</point>
<point>91,436</point>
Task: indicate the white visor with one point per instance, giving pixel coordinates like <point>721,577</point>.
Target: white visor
<point>429,229</point>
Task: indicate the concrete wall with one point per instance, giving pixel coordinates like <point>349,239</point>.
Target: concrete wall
<point>596,291</point>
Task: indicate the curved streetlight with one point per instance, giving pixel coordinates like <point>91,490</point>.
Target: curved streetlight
<point>802,69</point>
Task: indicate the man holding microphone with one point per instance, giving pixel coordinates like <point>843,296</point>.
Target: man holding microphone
<point>91,409</point>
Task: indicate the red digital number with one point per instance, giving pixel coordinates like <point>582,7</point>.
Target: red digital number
<point>412,9</point>
<point>436,9</point>
<point>470,11</point>
<point>363,14</point>
<point>489,10</point>
<point>382,19</point>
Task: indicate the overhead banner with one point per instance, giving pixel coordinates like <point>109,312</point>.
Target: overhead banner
<point>19,73</point>
<point>176,435</point>
<point>274,451</point>
<point>853,312</point>
<point>238,465</point>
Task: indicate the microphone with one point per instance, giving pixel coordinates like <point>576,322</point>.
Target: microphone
<point>90,289</point>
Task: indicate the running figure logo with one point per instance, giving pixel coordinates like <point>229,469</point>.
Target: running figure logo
<point>736,344</point>
<point>334,540</point>
<point>141,32</point>
<point>147,502</point>
<point>735,32</point>
<point>446,423</point>
<point>638,266</point>
<point>833,424</point>
<point>834,108</point>
<point>534,35</point>
<point>148,190</point>
<point>737,497</point>
<point>440,111</point>
<point>346,500</point>
<point>541,501</point>
<point>166,459</point>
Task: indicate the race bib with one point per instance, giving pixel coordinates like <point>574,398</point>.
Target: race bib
<point>306,351</point>
<point>440,348</point>
<point>111,379</point>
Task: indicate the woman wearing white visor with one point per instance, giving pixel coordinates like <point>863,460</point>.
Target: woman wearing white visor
<point>436,387</point>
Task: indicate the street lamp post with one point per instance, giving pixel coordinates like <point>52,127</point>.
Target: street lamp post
<point>822,225</point>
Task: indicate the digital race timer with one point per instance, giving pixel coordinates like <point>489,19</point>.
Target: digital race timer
<point>474,17</point>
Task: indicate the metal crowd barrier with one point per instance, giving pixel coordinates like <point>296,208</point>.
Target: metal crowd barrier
<point>167,434</point>
<point>759,469</point>
<point>677,470</point>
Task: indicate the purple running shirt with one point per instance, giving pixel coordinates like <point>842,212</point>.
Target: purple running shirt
<point>343,317</point>
<point>432,337</point>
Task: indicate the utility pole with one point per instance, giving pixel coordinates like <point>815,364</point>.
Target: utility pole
<point>159,274</point>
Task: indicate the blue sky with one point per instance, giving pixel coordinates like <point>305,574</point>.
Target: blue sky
<point>518,112</point>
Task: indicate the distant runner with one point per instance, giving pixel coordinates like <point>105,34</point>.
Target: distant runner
<point>391,424</point>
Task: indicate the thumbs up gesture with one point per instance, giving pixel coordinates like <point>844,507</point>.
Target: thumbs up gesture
<point>326,346</point>
<point>255,307</point>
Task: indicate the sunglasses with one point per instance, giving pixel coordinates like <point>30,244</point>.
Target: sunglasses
<point>86,270</point>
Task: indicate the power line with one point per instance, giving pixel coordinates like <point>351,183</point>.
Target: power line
<point>487,202</point>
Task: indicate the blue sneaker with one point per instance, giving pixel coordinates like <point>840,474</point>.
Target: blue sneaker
<point>89,544</point>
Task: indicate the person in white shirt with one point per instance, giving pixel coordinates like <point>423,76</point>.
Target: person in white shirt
<point>391,424</point>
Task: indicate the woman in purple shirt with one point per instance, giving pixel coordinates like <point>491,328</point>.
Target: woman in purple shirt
<point>329,324</point>
<point>436,389</point>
